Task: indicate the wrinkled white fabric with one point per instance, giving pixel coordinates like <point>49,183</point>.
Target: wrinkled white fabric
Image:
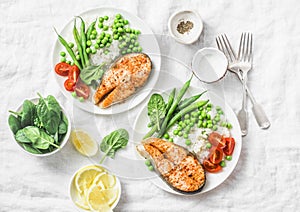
<point>267,175</point>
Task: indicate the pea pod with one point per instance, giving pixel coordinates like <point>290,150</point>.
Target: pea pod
<point>184,111</point>
<point>69,50</point>
<point>78,44</point>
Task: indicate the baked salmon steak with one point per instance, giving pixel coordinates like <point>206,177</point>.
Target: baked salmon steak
<point>122,79</point>
<point>178,167</point>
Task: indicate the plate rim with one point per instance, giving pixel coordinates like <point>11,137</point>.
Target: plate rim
<point>109,111</point>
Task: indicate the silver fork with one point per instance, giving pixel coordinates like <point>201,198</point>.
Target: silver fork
<point>235,66</point>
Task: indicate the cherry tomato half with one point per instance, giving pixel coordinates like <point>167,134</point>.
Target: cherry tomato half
<point>74,73</point>
<point>210,167</point>
<point>82,90</point>
<point>229,146</point>
<point>216,140</point>
<point>69,85</point>
<point>216,156</point>
<point>62,69</point>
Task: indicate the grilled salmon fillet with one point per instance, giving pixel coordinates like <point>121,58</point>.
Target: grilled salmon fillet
<point>176,165</point>
<point>124,77</point>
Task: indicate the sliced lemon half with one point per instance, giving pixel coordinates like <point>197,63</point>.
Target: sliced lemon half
<point>83,143</point>
<point>108,180</point>
<point>85,177</point>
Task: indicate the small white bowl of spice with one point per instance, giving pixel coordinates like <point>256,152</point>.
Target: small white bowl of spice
<point>185,26</point>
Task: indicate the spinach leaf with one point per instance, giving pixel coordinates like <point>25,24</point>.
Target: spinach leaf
<point>44,141</point>
<point>14,123</point>
<point>63,125</point>
<point>31,149</point>
<point>48,112</point>
<point>21,137</point>
<point>91,74</point>
<point>113,142</point>
<point>28,113</point>
<point>156,109</point>
<point>32,133</point>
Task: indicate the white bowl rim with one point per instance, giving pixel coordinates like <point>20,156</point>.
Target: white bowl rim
<point>67,135</point>
<point>218,52</point>
<point>185,11</point>
<point>107,169</point>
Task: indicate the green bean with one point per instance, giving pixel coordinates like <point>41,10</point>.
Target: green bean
<point>151,132</point>
<point>83,41</point>
<point>79,47</point>
<point>185,111</point>
<point>171,99</point>
<point>174,106</point>
<point>90,30</point>
<point>69,50</point>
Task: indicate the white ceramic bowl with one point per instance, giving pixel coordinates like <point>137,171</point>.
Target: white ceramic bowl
<point>185,15</point>
<point>63,142</point>
<point>73,192</point>
<point>209,65</point>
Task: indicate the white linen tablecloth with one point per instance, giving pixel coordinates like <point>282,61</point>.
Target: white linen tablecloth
<point>267,175</point>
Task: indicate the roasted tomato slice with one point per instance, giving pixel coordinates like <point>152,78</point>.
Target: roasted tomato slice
<point>229,146</point>
<point>69,85</point>
<point>216,140</point>
<point>82,90</point>
<point>62,69</point>
<point>216,156</point>
<point>74,73</point>
<point>210,167</point>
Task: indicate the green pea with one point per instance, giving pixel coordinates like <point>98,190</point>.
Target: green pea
<point>101,45</point>
<point>127,30</point>
<point>186,116</point>
<point>132,36</point>
<point>93,37</point>
<point>229,126</point>
<point>185,135</point>
<point>223,124</point>
<point>149,125</point>
<point>102,35</point>
<point>150,168</point>
<point>209,105</point>
<point>77,57</point>
<point>123,52</point>
<point>183,124</point>
<point>228,157</point>
<point>120,38</point>
<point>63,59</point>
<point>199,125</point>
<point>137,32</point>
<point>105,28</point>
<point>104,40</point>
<point>217,118</point>
<point>120,30</point>
<point>222,163</point>
<point>134,49</point>
<point>220,112</point>
<point>175,132</point>
<point>110,40</point>
<point>208,116</point>
<point>200,109</point>
<point>63,54</point>
<point>208,145</point>
<point>116,21</point>
<point>88,50</point>
<point>192,123</point>
<point>116,37</point>
<point>166,136</point>
<point>96,46</point>
<point>125,22</point>
<point>94,32</point>
<point>81,99</point>
<point>130,46</point>
<point>106,51</point>
<point>215,128</point>
<point>188,142</point>
<point>107,45</point>
<point>129,50</point>
<point>127,40</point>
<point>98,41</point>
<point>101,19</point>
<point>118,16</point>
<point>171,140</point>
<point>208,109</point>
<point>94,51</point>
<point>210,126</point>
<point>147,162</point>
<point>179,128</point>
<point>180,133</point>
<point>193,119</point>
<point>136,44</point>
<point>74,94</point>
<point>200,117</point>
<point>105,17</point>
<point>89,43</point>
<point>194,114</point>
<point>71,45</point>
<point>218,108</point>
<point>204,124</point>
<point>69,62</point>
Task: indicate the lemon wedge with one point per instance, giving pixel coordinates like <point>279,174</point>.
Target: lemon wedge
<point>99,199</point>
<point>85,177</point>
<point>107,180</point>
<point>83,143</point>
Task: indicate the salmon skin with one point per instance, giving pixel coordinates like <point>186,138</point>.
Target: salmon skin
<point>178,167</point>
<point>122,79</point>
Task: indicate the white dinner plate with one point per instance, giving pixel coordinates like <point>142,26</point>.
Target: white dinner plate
<point>147,41</point>
<point>213,179</point>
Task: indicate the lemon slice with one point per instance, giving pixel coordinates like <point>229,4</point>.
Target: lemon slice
<point>108,180</point>
<point>83,143</point>
<point>99,199</point>
<point>85,177</point>
<point>81,201</point>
